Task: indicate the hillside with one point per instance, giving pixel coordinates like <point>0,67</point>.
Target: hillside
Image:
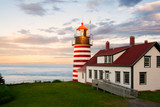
<point>65,94</point>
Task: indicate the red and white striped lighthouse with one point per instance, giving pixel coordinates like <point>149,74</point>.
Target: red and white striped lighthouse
<point>82,51</point>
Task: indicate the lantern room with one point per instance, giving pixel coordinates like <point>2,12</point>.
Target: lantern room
<point>81,35</point>
<point>82,30</point>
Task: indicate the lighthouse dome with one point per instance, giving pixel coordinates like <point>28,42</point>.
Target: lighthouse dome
<point>82,27</point>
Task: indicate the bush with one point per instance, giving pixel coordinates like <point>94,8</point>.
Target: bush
<point>2,81</point>
<point>56,81</point>
<point>5,94</point>
<point>37,81</point>
<point>46,81</point>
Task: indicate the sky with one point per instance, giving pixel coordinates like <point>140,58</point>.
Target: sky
<point>42,31</point>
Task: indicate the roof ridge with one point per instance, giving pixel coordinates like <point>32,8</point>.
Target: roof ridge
<point>129,45</point>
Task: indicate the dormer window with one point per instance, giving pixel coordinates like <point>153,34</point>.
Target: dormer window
<point>105,59</point>
<point>108,59</point>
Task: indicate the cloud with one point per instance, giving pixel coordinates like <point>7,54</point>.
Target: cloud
<point>35,9</point>
<point>54,1</point>
<point>153,7</point>
<point>60,1</point>
<point>93,4</point>
<point>34,39</point>
<point>146,21</point>
<point>23,31</point>
<point>70,22</point>
<point>138,27</point>
<point>150,11</point>
<point>128,3</point>
<point>49,30</point>
<point>103,30</point>
<point>56,8</point>
<point>65,30</point>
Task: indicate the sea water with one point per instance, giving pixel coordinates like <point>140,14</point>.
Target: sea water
<point>19,73</point>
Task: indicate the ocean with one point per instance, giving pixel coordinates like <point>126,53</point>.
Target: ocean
<point>21,73</point>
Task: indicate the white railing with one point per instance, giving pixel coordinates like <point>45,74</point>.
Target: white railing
<point>114,88</point>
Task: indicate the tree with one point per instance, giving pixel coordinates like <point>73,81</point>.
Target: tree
<point>2,81</point>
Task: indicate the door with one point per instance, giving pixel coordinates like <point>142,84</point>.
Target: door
<point>107,75</point>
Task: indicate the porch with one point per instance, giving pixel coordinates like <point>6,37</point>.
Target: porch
<point>114,88</point>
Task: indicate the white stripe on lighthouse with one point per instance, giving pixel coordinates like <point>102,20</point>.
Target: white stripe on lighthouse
<point>81,58</point>
<point>75,68</point>
<point>80,53</point>
<point>75,77</point>
<point>81,49</point>
<point>79,63</point>
<point>74,73</point>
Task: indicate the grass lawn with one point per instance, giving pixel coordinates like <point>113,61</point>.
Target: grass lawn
<point>65,94</point>
<point>5,94</point>
<point>152,96</point>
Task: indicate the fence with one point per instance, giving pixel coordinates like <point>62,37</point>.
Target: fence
<point>114,88</point>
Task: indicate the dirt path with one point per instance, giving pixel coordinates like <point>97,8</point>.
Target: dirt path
<point>141,103</point>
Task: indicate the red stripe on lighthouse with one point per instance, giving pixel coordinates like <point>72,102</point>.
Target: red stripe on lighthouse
<point>75,75</point>
<point>75,80</point>
<point>82,55</point>
<point>77,65</point>
<point>80,60</point>
<point>81,46</point>
<point>76,51</point>
<point>75,71</point>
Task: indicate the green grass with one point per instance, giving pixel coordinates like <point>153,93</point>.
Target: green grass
<point>64,94</point>
<point>5,94</point>
<point>152,96</point>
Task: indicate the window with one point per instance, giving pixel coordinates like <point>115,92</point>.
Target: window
<point>82,75</point>
<point>126,77</point>
<point>108,59</point>
<point>105,59</point>
<point>90,73</point>
<point>107,75</point>
<point>100,74</point>
<point>147,61</point>
<point>142,78</point>
<point>95,74</point>
<point>158,61</point>
<point>117,76</point>
<point>82,32</point>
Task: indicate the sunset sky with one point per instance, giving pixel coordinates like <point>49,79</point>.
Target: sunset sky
<point>41,31</point>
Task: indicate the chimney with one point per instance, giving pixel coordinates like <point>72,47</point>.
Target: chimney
<point>146,41</point>
<point>107,45</point>
<point>132,41</point>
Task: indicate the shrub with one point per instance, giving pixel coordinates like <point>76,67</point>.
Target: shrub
<point>5,94</point>
<point>56,81</point>
<point>46,81</point>
<point>37,81</point>
<point>2,81</point>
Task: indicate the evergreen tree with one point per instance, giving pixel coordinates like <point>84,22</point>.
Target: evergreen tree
<point>2,81</point>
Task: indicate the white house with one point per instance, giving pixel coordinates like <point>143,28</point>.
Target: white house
<point>136,66</point>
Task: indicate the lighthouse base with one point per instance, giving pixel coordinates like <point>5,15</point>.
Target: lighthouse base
<point>75,80</point>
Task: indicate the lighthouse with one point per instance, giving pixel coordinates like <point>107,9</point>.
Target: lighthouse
<point>82,52</point>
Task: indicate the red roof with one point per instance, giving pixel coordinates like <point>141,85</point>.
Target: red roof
<point>82,69</point>
<point>112,50</point>
<point>128,58</point>
<point>82,27</point>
